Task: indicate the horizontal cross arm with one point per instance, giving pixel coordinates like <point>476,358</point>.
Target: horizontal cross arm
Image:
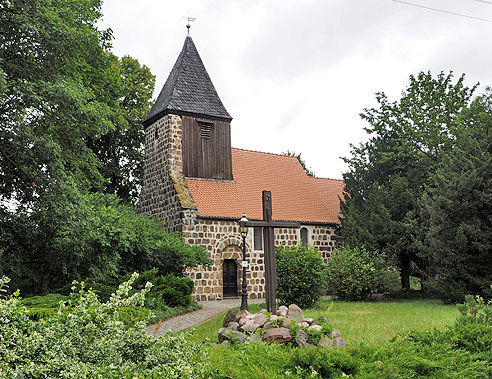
<point>274,224</point>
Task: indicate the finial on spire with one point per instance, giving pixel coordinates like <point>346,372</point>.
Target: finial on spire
<point>189,19</point>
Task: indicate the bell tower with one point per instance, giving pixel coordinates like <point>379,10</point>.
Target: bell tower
<point>187,134</point>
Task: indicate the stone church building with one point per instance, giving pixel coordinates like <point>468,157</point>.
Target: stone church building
<point>200,186</point>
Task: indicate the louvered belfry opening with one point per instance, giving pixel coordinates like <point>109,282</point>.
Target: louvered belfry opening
<point>205,129</point>
<point>206,148</point>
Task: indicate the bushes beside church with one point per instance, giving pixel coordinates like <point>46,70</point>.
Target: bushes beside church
<point>300,275</point>
<point>355,273</point>
<point>169,295</point>
<point>75,235</point>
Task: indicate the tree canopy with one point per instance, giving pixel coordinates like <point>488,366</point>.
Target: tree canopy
<point>390,173</point>
<point>68,106</point>
<point>71,151</point>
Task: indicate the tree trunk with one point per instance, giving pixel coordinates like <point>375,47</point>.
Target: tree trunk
<point>405,274</point>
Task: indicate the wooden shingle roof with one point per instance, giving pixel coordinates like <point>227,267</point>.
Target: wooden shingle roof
<point>188,89</point>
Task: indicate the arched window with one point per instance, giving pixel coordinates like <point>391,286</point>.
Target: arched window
<point>258,238</point>
<point>304,236</point>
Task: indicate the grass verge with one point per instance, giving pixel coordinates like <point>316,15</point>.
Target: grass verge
<point>365,322</point>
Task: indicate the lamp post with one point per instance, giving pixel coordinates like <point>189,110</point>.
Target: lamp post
<point>243,229</point>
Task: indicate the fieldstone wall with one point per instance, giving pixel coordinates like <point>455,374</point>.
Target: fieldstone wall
<point>322,237</point>
<point>222,240</point>
<point>165,194</point>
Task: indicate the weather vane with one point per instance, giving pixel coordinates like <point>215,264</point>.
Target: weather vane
<point>189,19</point>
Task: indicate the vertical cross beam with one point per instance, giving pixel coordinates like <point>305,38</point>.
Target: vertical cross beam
<point>269,245</point>
<point>269,226</point>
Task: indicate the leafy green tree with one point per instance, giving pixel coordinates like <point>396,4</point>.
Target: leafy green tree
<point>456,209</point>
<point>309,171</point>
<point>68,106</point>
<point>387,174</point>
<point>57,72</point>
<point>120,150</point>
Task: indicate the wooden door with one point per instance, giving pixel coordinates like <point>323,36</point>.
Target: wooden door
<point>229,278</point>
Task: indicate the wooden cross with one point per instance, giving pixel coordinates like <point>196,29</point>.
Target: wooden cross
<point>268,226</point>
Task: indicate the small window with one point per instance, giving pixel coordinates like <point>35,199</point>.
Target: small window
<point>304,236</point>
<point>258,238</point>
<point>156,133</point>
<point>205,129</point>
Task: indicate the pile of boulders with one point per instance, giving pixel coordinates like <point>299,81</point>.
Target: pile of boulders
<point>243,326</point>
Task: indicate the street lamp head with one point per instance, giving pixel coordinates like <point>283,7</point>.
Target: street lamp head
<point>243,229</point>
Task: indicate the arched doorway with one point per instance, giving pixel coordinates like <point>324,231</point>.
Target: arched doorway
<point>230,273</point>
<point>229,278</point>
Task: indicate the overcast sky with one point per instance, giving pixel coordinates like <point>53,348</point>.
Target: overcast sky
<point>295,75</point>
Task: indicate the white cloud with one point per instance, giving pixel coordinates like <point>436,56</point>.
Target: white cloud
<point>296,74</point>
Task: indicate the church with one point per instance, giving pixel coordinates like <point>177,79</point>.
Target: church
<point>200,185</point>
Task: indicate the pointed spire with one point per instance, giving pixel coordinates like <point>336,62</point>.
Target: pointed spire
<point>188,89</point>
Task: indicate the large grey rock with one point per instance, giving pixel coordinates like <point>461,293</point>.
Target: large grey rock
<point>278,335</point>
<point>287,322</point>
<point>335,333</point>
<point>232,316</point>
<point>303,324</point>
<point>326,341</point>
<point>261,319</point>
<point>255,338</point>
<point>233,336</point>
<point>267,325</point>
<point>317,327</point>
<point>295,312</point>
<point>233,325</point>
<point>309,320</point>
<point>339,342</point>
<point>245,313</point>
<point>301,338</point>
<point>250,327</point>
<point>273,318</point>
<point>221,334</point>
<point>242,321</point>
<point>282,311</point>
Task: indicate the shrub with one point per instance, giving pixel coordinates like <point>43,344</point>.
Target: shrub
<point>175,292</point>
<point>91,341</point>
<point>300,275</point>
<point>94,235</point>
<point>354,274</point>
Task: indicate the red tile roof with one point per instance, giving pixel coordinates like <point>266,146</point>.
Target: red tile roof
<point>295,196</point>
<point>330,191</point>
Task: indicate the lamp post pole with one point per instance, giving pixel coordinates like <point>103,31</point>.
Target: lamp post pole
<point>244,232</point>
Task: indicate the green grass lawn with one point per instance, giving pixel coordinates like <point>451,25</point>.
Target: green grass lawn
<point>365,322</point>
<point>364,325</point>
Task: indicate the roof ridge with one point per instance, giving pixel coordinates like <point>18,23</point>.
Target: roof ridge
<point>180,59</point>
<point>263,152</point>
<point>317,177</point>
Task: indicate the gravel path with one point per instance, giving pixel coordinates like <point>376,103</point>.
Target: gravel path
<point>189,320</point>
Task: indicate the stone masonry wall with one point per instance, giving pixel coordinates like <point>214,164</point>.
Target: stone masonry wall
<point>164,190</point>
<point>222,240</point>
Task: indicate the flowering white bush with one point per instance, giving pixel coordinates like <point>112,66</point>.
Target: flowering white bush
<point>89,341</point>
